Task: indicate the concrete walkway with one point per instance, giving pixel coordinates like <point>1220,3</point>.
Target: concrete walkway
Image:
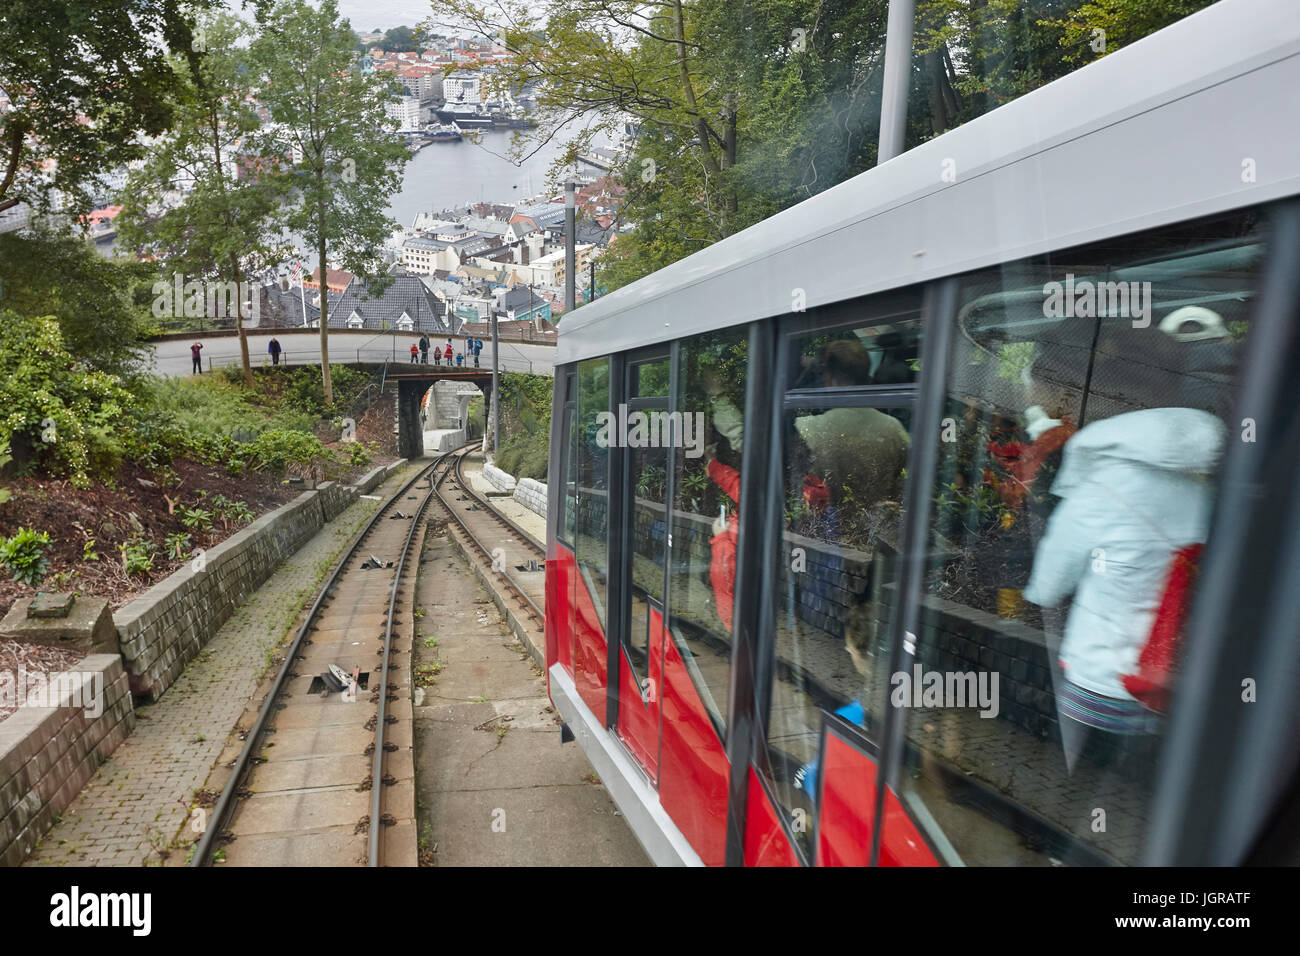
<point>494,786</point>
<point>131,812</point>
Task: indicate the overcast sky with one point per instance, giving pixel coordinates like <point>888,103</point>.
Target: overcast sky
<point>366,15</point>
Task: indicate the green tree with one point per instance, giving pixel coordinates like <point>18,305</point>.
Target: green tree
<point>746,107</point>
<point>53,409</point>
<point>224,227</point>
<point>399,40</point>
<point>84,81</point>
<point>325,110</point>
<point>99,303</point>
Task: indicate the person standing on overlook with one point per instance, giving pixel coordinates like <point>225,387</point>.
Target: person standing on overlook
<point>195,349</point>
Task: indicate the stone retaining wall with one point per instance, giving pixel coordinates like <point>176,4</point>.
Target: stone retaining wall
<point>166,627</point>
<point>959,638</point>
<point>498,479</point>
<point>447,441</point>
<point>532,495</point>
<point>48,753</point>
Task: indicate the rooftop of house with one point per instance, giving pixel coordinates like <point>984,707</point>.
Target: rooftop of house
<point>405,295</point>
<point>336,279</point>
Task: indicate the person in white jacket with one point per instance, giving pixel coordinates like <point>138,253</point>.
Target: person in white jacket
<point>1134,489</point>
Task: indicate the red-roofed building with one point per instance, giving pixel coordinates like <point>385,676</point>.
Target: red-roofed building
<point>337,279</point>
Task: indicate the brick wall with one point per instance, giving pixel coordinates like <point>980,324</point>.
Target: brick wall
<point>959,638</point>
<point>47,754</point>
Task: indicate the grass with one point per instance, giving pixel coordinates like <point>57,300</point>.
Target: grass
<point>426,674</point>
<point>214,407</point>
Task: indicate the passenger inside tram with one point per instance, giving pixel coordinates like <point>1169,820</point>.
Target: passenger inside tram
<point>1077,458</point>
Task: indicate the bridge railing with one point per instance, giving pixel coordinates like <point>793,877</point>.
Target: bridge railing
<point>512,359</point>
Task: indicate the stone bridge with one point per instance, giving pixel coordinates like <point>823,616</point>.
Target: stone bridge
<point>413,381</point>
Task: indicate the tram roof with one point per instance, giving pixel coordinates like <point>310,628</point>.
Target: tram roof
<point>1154,133</point>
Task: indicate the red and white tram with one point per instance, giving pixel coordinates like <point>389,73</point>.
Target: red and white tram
<point>954,519</point>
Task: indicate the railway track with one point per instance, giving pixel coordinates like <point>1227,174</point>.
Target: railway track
<point>326,775</point>
<point>508,553</point>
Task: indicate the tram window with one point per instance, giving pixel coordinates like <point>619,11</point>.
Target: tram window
<point>569,460</point>
<point>648,477</point>
<point>591,514</point>
<point>844,468</point>
<point>649,379</point>
<point>886,354</point>
<point>1084,423</point>
<point>711,391</point>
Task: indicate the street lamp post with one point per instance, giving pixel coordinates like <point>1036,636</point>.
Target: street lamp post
<point>570,241</point>
<point>496,389</point>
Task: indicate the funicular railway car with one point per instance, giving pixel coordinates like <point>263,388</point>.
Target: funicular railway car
<point>955,520</point>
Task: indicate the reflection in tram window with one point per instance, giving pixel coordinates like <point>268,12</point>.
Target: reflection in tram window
<point>648,477</point>
<point>711,377</point>
<point>1084,423</point>
<point>885,354</point>
<point>844,467</point>
<point>591,513</point>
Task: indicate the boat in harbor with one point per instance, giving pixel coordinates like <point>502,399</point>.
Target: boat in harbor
<point>464,118</point>
<point>444,133</point>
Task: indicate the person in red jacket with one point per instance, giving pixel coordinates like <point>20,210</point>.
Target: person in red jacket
<point>722,563</point>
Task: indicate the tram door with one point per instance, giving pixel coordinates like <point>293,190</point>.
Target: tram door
<point>646,465</point>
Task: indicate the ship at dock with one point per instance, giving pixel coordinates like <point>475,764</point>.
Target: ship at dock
<point>443,133</point>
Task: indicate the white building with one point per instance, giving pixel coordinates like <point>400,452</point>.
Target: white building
<point>405,113</point>
<point>462,89</point>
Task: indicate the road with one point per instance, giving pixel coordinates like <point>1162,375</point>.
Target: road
<point>172,357</point>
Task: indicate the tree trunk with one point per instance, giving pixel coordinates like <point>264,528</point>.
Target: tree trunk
<point>239,323</point>
<point>234,258</point>
<point>688,91</point>
<point>938,110</point>
<point>324,316</point>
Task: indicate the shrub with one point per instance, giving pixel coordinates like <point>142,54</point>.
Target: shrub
<point>178,546</point>
<point>306,389</point>
<point>24,555</point>
<point>137,556</point>
<point>206,412</point>
<point>524,456</point>
<point>229,512</point>
<point>358,457</point>
<point>5,493</point>
<point>275,450</point>
<point>65,411</point>
<point>196,518</point>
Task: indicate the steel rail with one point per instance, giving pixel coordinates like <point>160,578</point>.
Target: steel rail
<point>225,803</point>
<point>464,526</point>
<point>487,503</point>
<point>377,764</point>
